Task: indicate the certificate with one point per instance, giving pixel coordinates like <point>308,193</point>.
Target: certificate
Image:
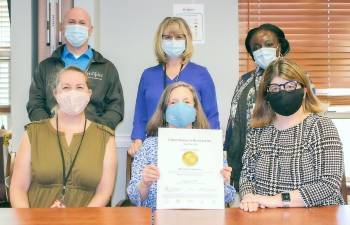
<point>189,162</point>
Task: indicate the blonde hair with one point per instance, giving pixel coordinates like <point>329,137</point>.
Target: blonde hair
<point>56,81</point>
<point>263,114</point>
<point>66,69</point>
<point>158,118</point>
<point>183,28</point>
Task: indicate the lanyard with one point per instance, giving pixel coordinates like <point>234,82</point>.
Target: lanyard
<point>64,176</point>
<point>176,78</point>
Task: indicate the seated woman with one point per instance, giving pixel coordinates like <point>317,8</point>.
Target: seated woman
<point>293,156</point>
<point>179,107</point>
<point>65,161</point>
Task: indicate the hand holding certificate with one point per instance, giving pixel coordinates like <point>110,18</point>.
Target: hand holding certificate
<point>181,166</point>
<point>190,161</point>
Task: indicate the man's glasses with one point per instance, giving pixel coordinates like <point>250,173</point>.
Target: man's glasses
<point>176,37</point>
<point>288,86</point>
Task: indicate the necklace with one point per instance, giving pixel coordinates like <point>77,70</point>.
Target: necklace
<point>64,175</point>
<point>176,77</point>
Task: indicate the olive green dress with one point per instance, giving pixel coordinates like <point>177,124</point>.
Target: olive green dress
<point>46,164</point>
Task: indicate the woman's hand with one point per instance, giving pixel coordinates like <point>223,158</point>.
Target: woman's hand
<point>270,201</point>
<point>58,204</point>
<point>135,147</point>
<point>226,174</point>
<point>250,203</point>
<point>150,174</point>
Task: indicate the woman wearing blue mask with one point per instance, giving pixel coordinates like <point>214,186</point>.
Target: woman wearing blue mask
<point>264,44</point>
<point>179,107</point>
<point>173,49</point>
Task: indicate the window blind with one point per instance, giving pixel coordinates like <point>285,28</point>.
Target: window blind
<point>4,57</point>
<point>319,35</point>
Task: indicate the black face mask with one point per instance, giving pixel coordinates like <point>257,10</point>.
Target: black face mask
<point>286,103</point>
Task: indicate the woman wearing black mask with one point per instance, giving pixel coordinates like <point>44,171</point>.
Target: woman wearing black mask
<point>264,44</point>
<point>293,156</point>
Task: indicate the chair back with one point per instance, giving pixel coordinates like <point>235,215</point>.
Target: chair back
<point>126,202</point>
<point>5,173</point>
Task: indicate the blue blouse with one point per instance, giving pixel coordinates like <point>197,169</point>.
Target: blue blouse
<point>151,87</point>
<point>148,156</point>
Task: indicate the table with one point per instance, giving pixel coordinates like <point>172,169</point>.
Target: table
<point>76,216</point>
<point>330,215</point>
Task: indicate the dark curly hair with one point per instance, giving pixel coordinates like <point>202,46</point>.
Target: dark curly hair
<point>274,29</point>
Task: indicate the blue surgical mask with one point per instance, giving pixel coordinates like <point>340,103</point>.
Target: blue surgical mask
<point>76,34</point>
<point>173,48</point>
<point>264,56</point>
<point>180,114</point>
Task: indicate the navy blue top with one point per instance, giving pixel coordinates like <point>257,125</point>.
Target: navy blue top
<point>151,87</point>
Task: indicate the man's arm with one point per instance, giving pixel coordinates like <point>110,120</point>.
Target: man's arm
<point>114,100</point>
<point>36,106</point>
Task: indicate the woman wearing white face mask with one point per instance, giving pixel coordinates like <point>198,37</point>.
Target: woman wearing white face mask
<point>264,44</point>
<point>65,161</point>
<point>173,49</point>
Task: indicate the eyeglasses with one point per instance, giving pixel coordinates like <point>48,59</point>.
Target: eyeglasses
<point>288,86</point>
<point>176,37</point>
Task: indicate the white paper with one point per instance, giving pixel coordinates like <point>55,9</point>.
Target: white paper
<point>189,161</point>
<point>194,16</point>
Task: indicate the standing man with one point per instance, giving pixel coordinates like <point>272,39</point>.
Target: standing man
<point>106,105</point>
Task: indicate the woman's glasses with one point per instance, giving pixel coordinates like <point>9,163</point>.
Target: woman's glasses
<point>288,86</point>
<point>176,37</point>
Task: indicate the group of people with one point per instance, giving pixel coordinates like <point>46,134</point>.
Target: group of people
<point>281,151</point>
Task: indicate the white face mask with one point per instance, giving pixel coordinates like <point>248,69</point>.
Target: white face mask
<point>264,56</point>
<point>76,34</point>
<point>72,102</point>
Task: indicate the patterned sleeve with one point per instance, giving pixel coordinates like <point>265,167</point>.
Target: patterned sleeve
<point>140,161</point>
<point>328,158</point>
<point>240,82</point>
<point>229,190</point>
<point>247,180</point>
<point>231,117</point>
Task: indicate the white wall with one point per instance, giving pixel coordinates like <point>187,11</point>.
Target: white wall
<point>21,66</point>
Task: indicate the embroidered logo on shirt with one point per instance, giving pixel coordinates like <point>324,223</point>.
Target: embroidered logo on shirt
<point>95,75</point>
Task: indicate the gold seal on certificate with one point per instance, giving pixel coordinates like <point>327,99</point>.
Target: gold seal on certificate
<point>189,158</point>
<point>190,161</point>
